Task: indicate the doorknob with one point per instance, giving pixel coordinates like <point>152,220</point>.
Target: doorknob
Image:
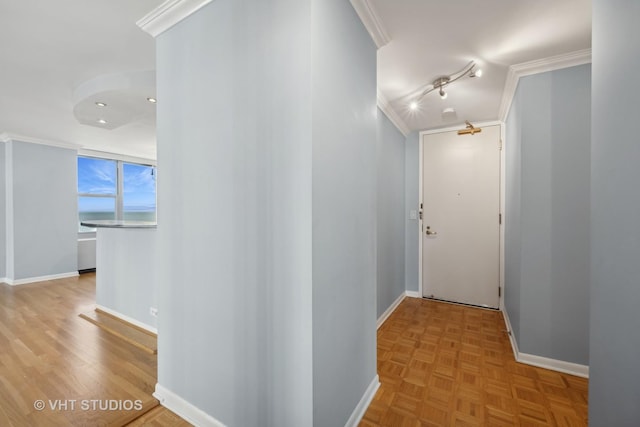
<point>429,232</point>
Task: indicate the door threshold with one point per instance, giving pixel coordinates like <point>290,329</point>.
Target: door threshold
<point>461,303</point>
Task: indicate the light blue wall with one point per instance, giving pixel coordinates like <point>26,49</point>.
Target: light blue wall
<point>391,207</point>
<point>3,208</point>
<point>614,386</point>
<point>267,200</point>
<point>126,279</point>
<point>412,202</point>
<point>45,229</point>
<point>344,210</point>
<point>547,214</point>
<point>234,212</point>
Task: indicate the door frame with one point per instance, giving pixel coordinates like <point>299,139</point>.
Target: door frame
<point>501,196</point>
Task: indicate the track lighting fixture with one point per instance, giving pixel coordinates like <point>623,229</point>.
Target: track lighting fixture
<point>441,82</point>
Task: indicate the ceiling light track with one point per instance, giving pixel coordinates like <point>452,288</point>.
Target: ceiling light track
<point>442,82</point>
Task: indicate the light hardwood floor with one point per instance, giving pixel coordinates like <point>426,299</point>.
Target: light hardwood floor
<point>439,365</point>
<point>49,356</point>
<point>449,365</point>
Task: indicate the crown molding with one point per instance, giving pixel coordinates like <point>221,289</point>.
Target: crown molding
<point>86,152</point>
<point>385,107</point>
<point>372,22</point>
<point>169,14</point>
<point>7,137</point>
<point>538,66</point>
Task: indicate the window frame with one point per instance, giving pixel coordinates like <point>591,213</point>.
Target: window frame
<point>119,194</point>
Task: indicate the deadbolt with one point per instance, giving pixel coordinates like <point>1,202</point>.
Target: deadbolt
<point>429,232</point>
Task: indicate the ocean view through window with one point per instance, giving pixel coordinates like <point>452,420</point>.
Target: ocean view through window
<point>111,189</point>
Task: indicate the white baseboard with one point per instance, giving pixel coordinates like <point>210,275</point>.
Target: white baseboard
<point>394,305</point>
<point>390,310</point>
<point>361,407</point>
<point>543,362</point>
<point>512,338</point>
<point>406,294</point>
<point>554,364</point>
<point>128,319</point>
<point>17,282</point>
<point>184,409</point>
<point>4,280</point>
<point>413,294</point>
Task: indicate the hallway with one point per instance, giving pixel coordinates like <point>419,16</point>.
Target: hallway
<point>443,364</point>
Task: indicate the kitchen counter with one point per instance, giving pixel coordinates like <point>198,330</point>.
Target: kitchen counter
<point>112,223</point>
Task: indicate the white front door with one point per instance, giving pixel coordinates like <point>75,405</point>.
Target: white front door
<point>460,217</point>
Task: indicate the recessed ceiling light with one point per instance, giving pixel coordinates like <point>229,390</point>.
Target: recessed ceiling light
<point>152,100</point>
<point>101,104</point>
<point>102,121</point>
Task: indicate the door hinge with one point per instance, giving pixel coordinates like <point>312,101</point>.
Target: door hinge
<point>500,145</point>
<point>499,291</point>
<point>500,218</point>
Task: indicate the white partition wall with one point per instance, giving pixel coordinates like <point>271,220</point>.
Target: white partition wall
<point>266,220</point>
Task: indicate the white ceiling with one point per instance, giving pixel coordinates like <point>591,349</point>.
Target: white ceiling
<point>430,38</point>
<point>57,58</point>
<point>51,49</point>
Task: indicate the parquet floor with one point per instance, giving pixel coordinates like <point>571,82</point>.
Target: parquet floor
<point>54,365</point>
<point>449,365</point>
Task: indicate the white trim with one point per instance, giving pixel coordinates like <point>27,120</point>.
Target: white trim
<point>512,338</point>
<point>420,211</point>
<point>372,22</point>
<point>4,280</point>
<point>552,63</point>
<point>390,310</point>
<point>361,407</point>
<point>459,126</point>
<point>127,319</point>
<point>114,156</point>
<point>387,109</point>
<point>6,137</point>
<point>184,409</point>
<point>413,294</point>
<point>169,14</point>
<point>503,186</point>
<point>554,364</point>
<point>17,282</point>
<point>543,362</point>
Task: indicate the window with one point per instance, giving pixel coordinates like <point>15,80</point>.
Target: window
<point>110,189</point>
<point>139,195</point>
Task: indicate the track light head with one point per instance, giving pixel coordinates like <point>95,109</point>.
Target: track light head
<point>439,83</point>
<point>475,73</point>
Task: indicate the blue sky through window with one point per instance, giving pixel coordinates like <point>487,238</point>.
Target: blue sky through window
<point>96,176</point>
<point>99,177</point>
<point>139,188</point>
